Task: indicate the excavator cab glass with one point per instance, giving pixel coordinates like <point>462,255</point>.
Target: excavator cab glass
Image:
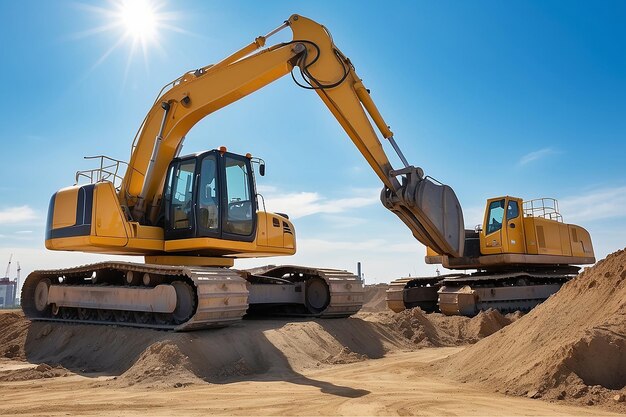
<point>495,216</point>
<point>210,195</point>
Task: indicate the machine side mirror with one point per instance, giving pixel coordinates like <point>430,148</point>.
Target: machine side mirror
<point>262,169</point>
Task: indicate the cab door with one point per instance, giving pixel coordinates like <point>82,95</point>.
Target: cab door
<point>491,235</point>
<point>513,233</point>
<point>179,200</point>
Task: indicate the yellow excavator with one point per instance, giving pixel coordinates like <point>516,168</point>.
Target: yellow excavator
<point>522,254</point>
<point>191,216</point>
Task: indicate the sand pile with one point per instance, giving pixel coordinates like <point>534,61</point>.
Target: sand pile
<point>161,363</point>
<point>272,348</point>
<point>573,346</point>
<point>438,330</point>
<point>375,298</point>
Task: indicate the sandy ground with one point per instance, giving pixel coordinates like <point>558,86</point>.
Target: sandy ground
<point>566,357</point>
<point>366,365</point>
<point>398,384</point>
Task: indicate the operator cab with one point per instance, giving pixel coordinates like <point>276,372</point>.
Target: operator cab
<point>211,194</point>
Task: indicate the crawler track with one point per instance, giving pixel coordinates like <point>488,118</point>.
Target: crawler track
<point>209,297</point>
<point>340,295</point>
<point>419,292</point>
<point>181,298</point>
<point>468,294</point>
<point>505,292</point>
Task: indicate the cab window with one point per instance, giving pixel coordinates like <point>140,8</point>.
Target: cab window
<point>495,216</point>
<point>182,196</point>
<point>512,210</point>
<point>239,199</point>
<point>208,201</point>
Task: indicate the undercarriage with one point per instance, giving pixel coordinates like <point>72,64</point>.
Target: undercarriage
<point>186,298</point>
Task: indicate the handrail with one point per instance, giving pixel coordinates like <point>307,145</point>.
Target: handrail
<point>547,208</point>
<point>109,170</point>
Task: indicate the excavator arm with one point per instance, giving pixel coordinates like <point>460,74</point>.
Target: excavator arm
<point>431,210</point>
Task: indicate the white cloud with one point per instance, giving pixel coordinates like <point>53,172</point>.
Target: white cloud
<point>302,204</point>
<point>13,215</point>
<point>23,232</point>
<point>533,156</point>
<point>601,204</point>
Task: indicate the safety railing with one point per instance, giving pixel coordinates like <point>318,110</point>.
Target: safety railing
<point>109,170</point>
<point>548,208</point>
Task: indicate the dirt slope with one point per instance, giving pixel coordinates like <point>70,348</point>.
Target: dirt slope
<point>438,330</point>
<point>573,346</point>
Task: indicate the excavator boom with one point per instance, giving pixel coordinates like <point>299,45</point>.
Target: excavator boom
<point>431,210</point>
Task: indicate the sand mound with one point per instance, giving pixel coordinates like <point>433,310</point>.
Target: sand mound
<point>272,348</point>
<point>161,362</point>
<point>438,330</point>
<point>375,298</point>
<point>573,346</point>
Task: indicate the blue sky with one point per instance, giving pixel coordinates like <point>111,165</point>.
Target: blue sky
<point>525,98</point>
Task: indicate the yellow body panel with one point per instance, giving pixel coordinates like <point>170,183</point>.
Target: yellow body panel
<point>547,237</point>
<point>532,247</point>
<point>65,201</point>
<point>212,246</point>
<point>109,219</point>
<point>75,243</point>
<point>580,241</point>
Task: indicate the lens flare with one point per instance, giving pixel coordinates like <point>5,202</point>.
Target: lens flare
<point>140,20</point>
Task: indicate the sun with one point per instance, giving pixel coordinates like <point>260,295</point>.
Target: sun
<point>140,20</point>
<point>137,24</point>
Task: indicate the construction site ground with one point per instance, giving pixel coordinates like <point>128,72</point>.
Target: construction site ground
<point>566,357</point>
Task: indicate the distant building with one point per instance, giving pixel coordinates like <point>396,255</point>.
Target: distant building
<point>8,292</point>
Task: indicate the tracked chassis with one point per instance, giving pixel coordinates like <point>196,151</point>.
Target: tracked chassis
<point>185,298</point>
<point>468,294</point>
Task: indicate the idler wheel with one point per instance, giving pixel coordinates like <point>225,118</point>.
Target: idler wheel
<point>185,302</point>
<point>317,295</point>
<point>41,296</point>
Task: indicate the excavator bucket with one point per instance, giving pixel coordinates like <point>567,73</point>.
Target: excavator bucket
<point>430,209</point>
